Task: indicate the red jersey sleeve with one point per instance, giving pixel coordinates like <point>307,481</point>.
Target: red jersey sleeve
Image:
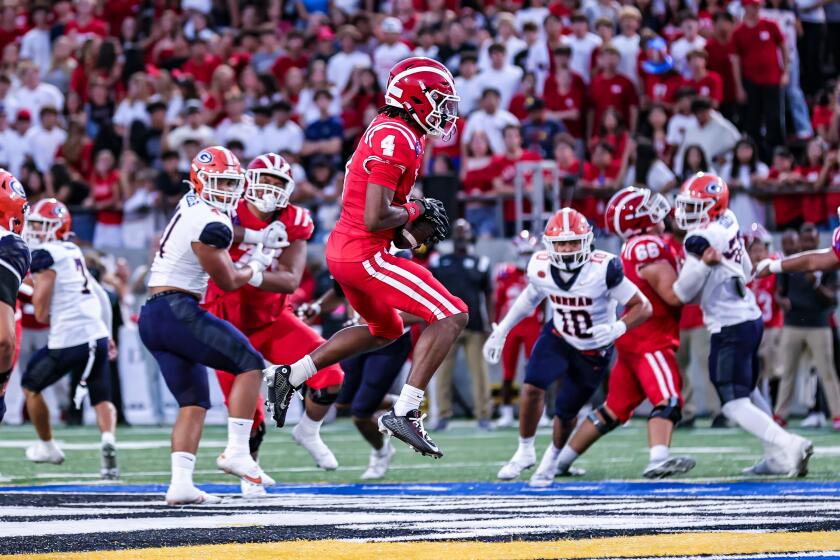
<point>298,222</point>
<point>390,154</point>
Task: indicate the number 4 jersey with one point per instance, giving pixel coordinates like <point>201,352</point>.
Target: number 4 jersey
<point>75,312</point>
<point>579,300</point>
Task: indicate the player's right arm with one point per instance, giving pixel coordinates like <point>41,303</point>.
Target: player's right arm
<point>285,277</point>
<point>381,214</point>
<point>809,261</point>
<point>695,270</point>
<point>211,249</point>
<point>14,265</point>
<point>522,307</point>
<point>661,276</point>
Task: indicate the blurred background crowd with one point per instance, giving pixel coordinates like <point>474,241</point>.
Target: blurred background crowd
<point>103,103</point>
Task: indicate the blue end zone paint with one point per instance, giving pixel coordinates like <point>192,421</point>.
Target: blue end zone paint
<point>829,489</point>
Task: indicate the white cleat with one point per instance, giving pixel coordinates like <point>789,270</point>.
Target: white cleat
<point>798,454</point>
<point>669,467</point>
<point>521,460</point>
<point>379,462</point>
<point>243,466</point>
<point>814,420</point>
<point>316,447</point>
<point>251,490</point>
<point>187,494</point>
<point>43,452</point>
<point>543,478</point>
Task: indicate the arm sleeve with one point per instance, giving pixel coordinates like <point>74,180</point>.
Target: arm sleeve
<point>623,291</point>
<point>104,304</point>
<point>692,277</point>
<point>15,260</point>
<point>9,286</point>
<point>521,308</point>
<point>216,234</point>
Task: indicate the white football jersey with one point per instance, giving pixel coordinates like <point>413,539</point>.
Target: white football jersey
<point>176,264</point>
<point>75,311</point>
<point>587,298</point>
<point>724,298</point>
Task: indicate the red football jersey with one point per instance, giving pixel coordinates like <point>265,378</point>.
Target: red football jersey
<point>250,308</point>
<point>390,154</point>
<point>692,315</point>
<point>510,282</point>
<point>662,330</point>
<point>764,290</point>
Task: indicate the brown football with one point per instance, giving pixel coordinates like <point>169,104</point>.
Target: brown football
<point>413,235</point>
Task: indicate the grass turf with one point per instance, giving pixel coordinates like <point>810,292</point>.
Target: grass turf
<point>469,455</point>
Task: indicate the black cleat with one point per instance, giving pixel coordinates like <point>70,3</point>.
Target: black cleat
<point>280,392</point>
<point>108,463</point>
<point>409,429</point>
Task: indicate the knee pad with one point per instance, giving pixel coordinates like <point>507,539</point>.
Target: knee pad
<point>605,425</point>
<point>670,411</point>
<point>256,440</point>
<point>321,396</point>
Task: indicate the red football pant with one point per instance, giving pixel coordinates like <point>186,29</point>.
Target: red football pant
<point>653,375</point>
<point>524,335</point>
<point>285,341</point>
<point>384,284</point>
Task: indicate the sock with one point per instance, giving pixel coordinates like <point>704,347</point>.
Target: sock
<point>108,438</point>
<point>50,444</point>
<point>759,401</point>
<point>302,370</point>
<point>308,425</point>
<point>526,444</point>
<point>183,465</point>
<point>410,399</point>
<point>549,460</point>
<point>658,453</point>
<point>239,434</point>
<point>567,456</point>
<point>754,421</point>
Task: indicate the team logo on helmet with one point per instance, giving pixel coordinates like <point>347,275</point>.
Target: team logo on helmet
<point>205,157</point>
<point>714,188</point>
<point>418,149</point>
<point>17,188</point>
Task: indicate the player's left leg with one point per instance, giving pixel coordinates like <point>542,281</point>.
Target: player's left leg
<point>96,377</point>
<point>576,386</point>
<point>734,370</point>
<point>44,369</point>
<point>548,361</point>
<point>510,358</point>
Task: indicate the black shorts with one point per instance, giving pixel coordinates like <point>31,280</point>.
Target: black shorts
<point>49,365</point>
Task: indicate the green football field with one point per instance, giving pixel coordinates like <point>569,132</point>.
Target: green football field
<point>470,455</point>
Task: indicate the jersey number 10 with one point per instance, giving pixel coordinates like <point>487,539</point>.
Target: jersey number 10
<point>576,322</point>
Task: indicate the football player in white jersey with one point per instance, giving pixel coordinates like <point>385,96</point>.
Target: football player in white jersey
<point>79,313</point>
<point>14,264</point>
<point>716,272</point>
<point>184,338</point>
<point>584,288</point>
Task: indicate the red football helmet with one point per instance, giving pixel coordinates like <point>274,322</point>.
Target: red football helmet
<point>217,177</point>
<point>268,197</point>
<point>634,210</point>
<point>568,225</point>
<point>426,89</point>
<point>701,200</point>
<point>48,221</point>
<point>13,206</point>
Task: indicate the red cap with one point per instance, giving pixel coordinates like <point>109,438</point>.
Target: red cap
<point>746,3</point>
<point>325,33</point>
<point>24,114</point>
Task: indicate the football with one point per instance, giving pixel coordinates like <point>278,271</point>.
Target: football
<point>413,235</point>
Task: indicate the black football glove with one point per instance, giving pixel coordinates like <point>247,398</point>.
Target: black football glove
<point>435,214</point>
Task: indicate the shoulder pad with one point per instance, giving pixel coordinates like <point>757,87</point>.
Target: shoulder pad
<point>42,260</point>
<point>599,257</point>
<point>14,255</point>
<point>216,234</point>
<point>298,222</point>
<point>538,265</point>
<point>645,249</point>
<point>615,273</point>
<point>696,244</point>
<point>393,140</point>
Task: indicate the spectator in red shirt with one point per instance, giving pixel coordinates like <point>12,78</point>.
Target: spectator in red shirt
<point>826,113</point>
<point>201,63</point>
<point>602,179</point>
<point>564,93</point>
<point>758,46</point>
<point>527,92</point>
<point>705,83</point>
<point>477,180</point>
<point>719,49</point>
<point>660,81</point>
<point>295,57</point>
<point>85,25</point>
<point>504,169</point>
<point>829,178</point>
<point>813,163</point>
<point>787,208</point>
<point>605,31</point>
<point>611,130</point>
<point>611,89</point>
<point>106,201</point>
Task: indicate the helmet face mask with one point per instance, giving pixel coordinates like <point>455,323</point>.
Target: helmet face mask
<point>702,199</point>
<point>569,258</point>
<point>270,183</point>
<point>221,190</point>
<point>425,89</point>
<point>443,119</point>
<point>48,222</point>
<point>692,213</point>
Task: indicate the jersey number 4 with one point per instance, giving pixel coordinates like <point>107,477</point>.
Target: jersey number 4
<point>387,145</point>
<point>576,322</point>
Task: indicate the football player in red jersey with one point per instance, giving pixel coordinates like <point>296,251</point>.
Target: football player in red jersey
<point>647,365</point>
<point>265,218</point>
<point>511,280</point>
<point>420,101</point>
